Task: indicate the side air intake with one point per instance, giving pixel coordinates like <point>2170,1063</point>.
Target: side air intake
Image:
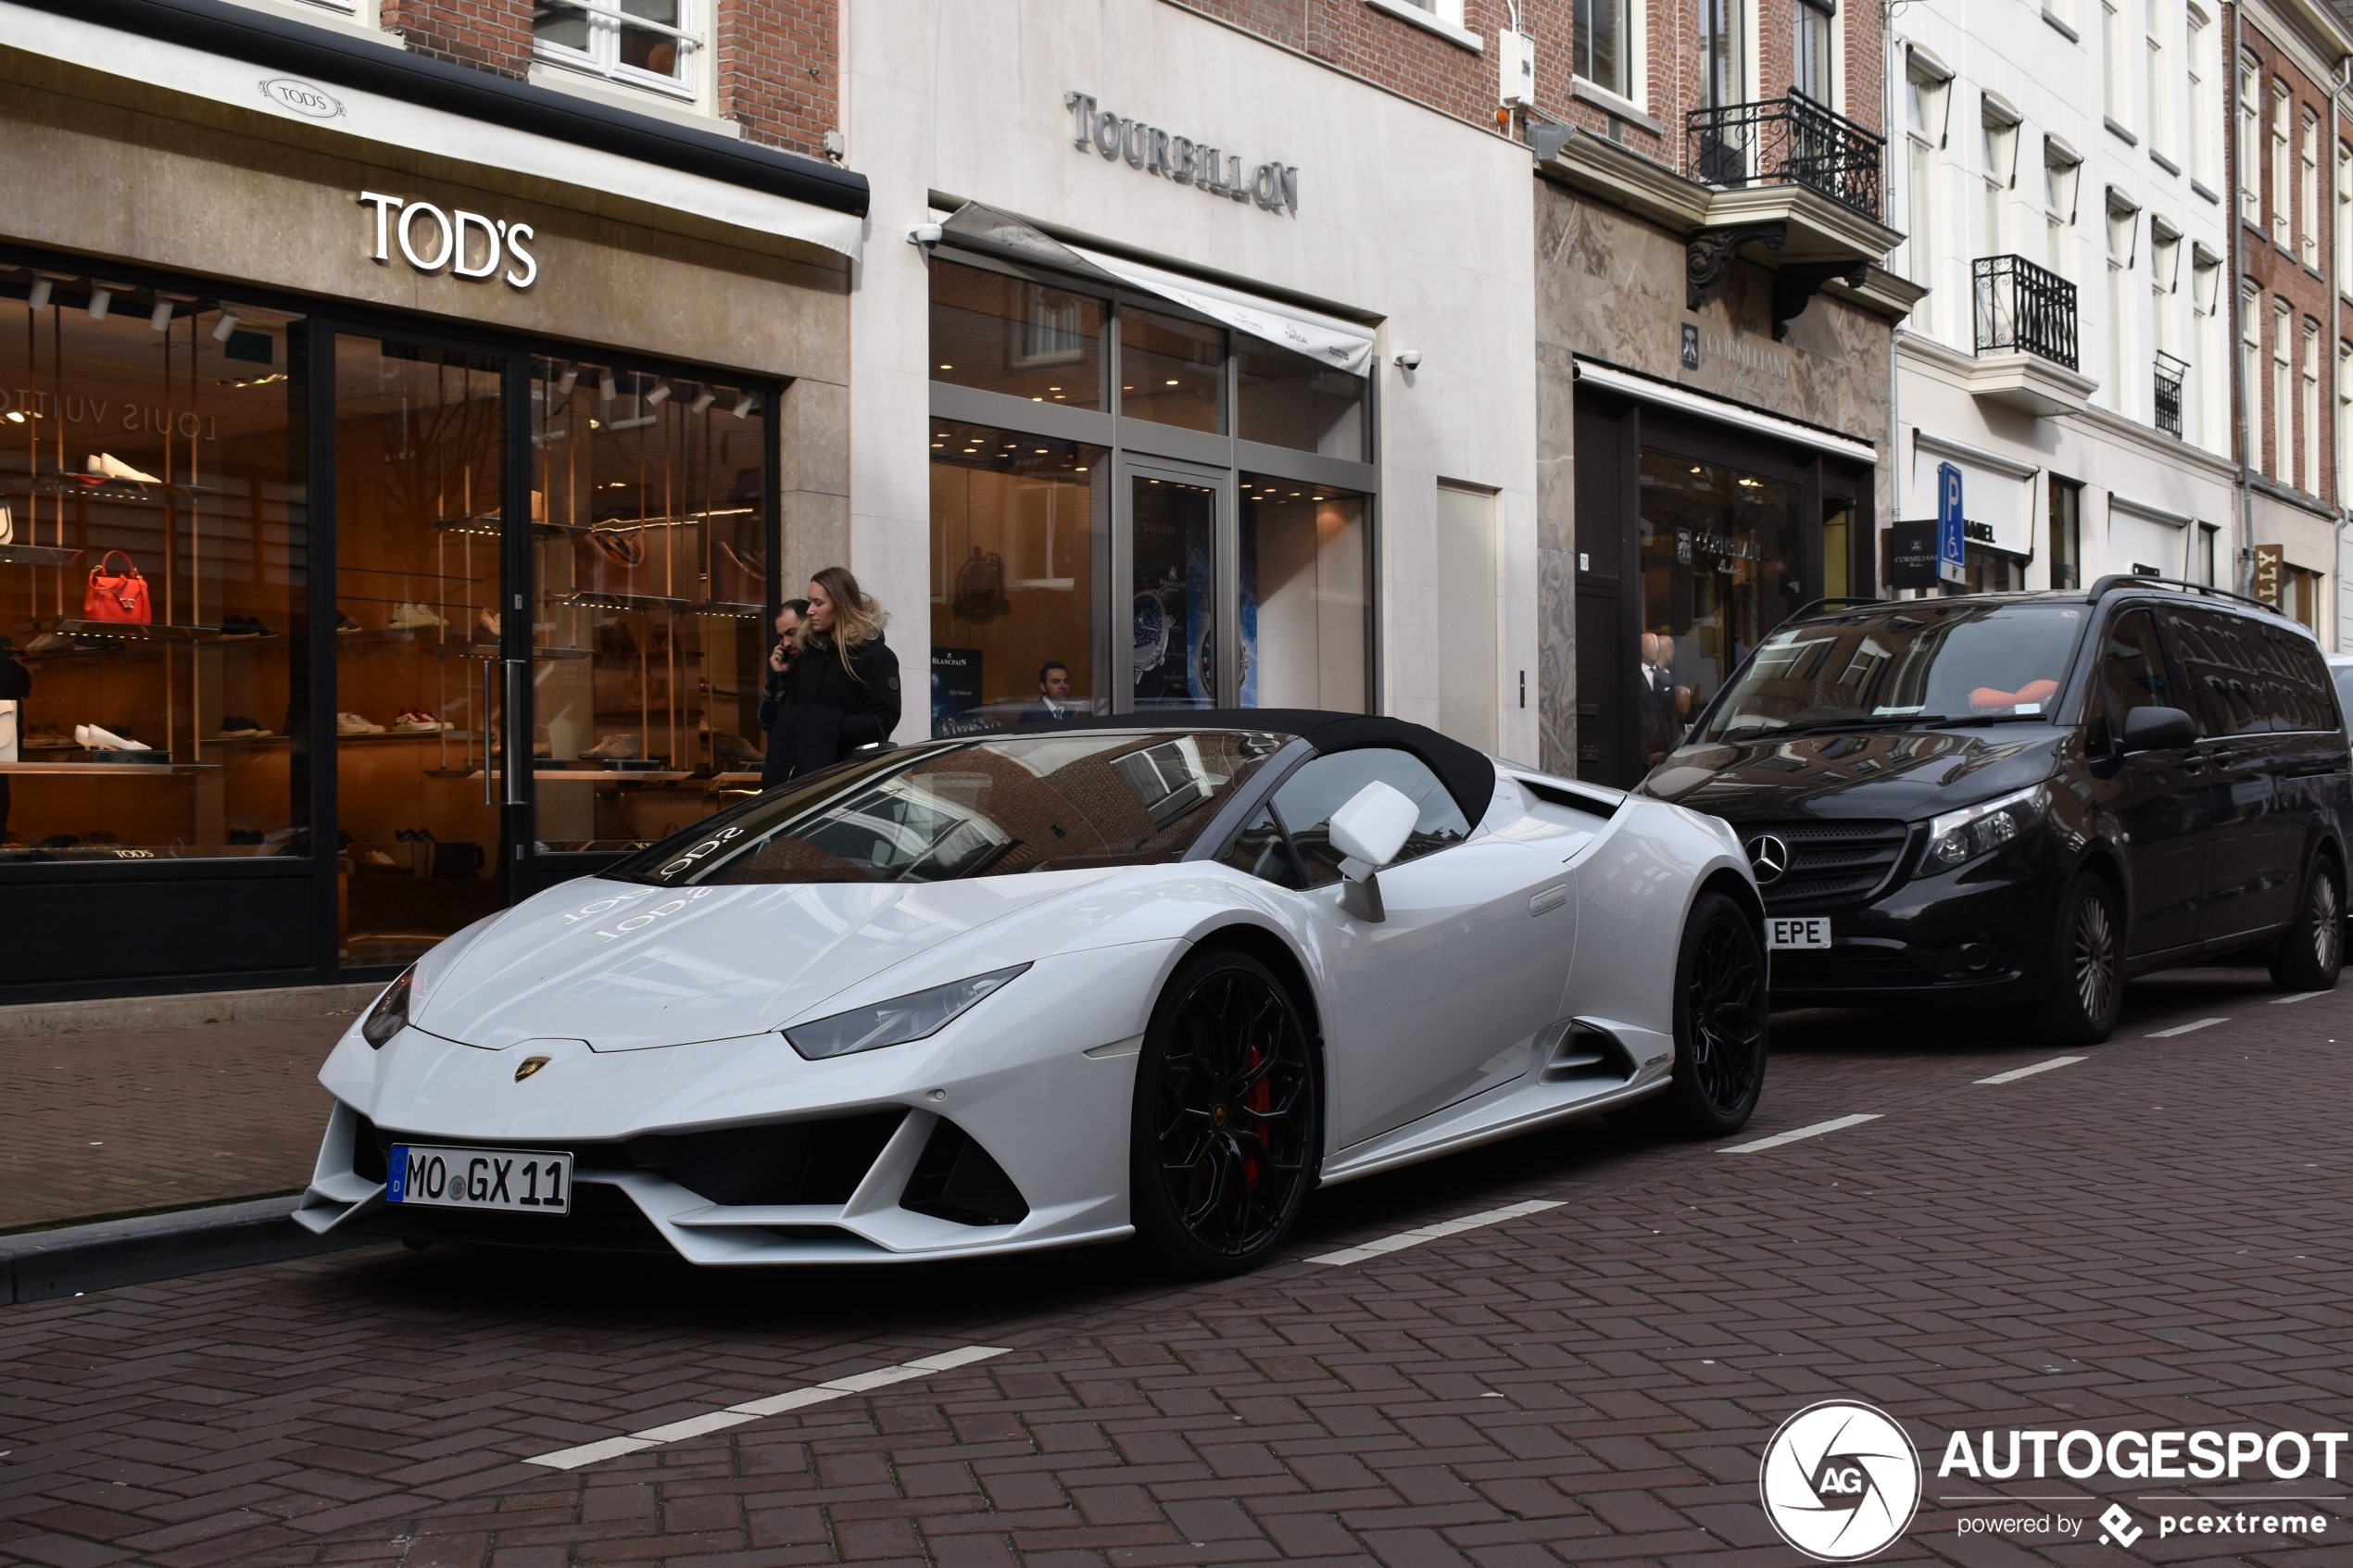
<point>955,1179</point>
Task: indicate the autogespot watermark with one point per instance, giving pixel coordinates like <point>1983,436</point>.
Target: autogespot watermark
<point>1841,1481</point>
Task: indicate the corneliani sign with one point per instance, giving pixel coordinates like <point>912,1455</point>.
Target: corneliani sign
<point>1273,186</point>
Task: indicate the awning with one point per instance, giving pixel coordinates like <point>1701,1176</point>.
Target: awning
<point>1326,339</point>
<point>1666,394</point>
<point>408,103</point>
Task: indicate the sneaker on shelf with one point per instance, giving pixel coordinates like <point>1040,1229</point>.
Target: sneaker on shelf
<point>98,738</point>
<point>235,727</point>
<point>486,626</point>
<point>614,748</point>
<point>417,721</point>
<point>46,643</point>
<point>413,836</point>
<point>345,624</point>
<point>377,858</point>
<point>732,753</point>
<point>355,724</point>
<point>407,617</point>
<point>232,626</point>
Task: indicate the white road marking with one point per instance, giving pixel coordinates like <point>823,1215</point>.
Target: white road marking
<point>2185,1028</point>
<point>2015,1074</point>
<point>1403,1239</point>
<point>735,1416</point>
<point>2299,996</point>
<point>1816,1129</point>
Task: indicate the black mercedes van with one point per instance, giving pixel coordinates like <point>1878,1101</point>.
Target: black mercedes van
<point>2021,799</point>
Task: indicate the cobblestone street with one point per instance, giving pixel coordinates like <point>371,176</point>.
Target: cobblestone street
<point>2151,1236</point>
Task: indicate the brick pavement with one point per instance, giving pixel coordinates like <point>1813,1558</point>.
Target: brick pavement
<point>2151,1237</point>
<point>110,1122</point>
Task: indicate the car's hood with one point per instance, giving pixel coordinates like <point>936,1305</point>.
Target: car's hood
<point>1870,772</point>
<point>624,966</point>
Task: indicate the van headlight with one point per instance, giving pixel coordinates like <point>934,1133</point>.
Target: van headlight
<point>894,1023</point>
<point>1958,838</point>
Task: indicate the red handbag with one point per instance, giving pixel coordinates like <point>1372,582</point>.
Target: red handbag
<point>119,596</point>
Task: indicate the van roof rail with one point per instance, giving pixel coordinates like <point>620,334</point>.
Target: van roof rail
<point>1812,605</point>
<point>2116,580</point>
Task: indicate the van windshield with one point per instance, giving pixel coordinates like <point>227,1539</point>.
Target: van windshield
<point>1916,663</point>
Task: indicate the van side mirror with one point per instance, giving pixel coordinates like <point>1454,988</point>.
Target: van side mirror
<point>2158,729</point>
<point>1368,831</point>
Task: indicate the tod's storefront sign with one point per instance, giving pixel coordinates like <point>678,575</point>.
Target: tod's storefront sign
<point>1273,186</point>
<point>465,244</point>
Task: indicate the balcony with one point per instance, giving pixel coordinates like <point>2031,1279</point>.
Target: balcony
<point>1791,141</point>
<point>2169,373</point>
<point>2026,339</point>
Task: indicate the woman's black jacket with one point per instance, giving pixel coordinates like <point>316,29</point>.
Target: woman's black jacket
<point>817,712</point>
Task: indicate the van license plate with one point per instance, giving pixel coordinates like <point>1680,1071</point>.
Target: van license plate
<point>1809,931</point>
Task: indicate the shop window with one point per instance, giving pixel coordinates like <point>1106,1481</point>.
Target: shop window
<point>153,587</point>
<point>1306,609</point>
<point>1007,334</point>
<point>1604,54</point>
<point>1172,372</point>
<point>1838,546</point>
<point>1993,571</point>
<point>2067,534</point>
<point>2206,533</point>
<point>649,600</point>
<point>1172,532</point>
<point>643,42</point>
<point>1016,522</point>
<point>1290,400</point>
<point>1720,562</point>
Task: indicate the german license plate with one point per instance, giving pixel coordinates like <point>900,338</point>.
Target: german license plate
<point>1799,931</point>
<point>523,1181</point>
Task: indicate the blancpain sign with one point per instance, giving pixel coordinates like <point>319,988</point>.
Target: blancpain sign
<point>1205,167</point>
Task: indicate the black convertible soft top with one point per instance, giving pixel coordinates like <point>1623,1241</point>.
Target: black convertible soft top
<point>1469,776</point>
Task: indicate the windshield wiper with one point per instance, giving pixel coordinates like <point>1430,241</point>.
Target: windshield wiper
<point>1860,721</point>
<point>1977,720</point>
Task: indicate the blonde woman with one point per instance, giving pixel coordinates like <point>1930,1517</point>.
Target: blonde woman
<point>841,688</point>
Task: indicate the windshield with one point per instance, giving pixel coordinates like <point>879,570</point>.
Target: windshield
<point>1921,662</point>
<point>992,808</point>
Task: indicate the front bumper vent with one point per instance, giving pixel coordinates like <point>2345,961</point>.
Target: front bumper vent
<point>955,1179</point>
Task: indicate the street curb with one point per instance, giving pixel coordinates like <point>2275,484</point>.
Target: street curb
<point>26,1019</point>
<point>44,1265</point>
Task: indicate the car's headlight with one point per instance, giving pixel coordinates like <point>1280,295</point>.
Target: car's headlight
<point>1958,838</point>
<point>896,1022</point>
<point>390,1015</point>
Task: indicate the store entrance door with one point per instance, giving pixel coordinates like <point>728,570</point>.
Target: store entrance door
<point>420,440</point>
<point>1177,538</point>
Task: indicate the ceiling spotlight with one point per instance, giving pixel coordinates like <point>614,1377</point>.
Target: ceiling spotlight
<point>658,395</point>
<point>565,383</point>
<point>100,299</point>
<point>742,410</point>
<point>703,400</point>
<point>39,298</point>
<point>224,326</point>
<point>606,391</point>
<point>160,317</point>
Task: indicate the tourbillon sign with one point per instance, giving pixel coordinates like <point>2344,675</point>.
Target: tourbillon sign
<point>1273,186</point>
<point>469,245</point>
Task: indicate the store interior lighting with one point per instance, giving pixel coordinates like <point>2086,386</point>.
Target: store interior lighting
<point>565,383</point>
<point>222,328</point>
<point>101,299</point>
<point>606,391</point>
<point>658,395</point>
<point>160,317</point>
<point>39,299</point>
<point>742,410</point>
<point>703,402</point>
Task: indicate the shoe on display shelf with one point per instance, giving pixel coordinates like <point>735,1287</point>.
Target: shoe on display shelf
<point>417,721</point>
<point>732,753</point>
<point>237,727</point>
<point>355,724</point>
<point>614,748</point>
<point>486,626</point>
<point>236,626</point>
<point>45,643</point>
<point>98,738</point>
<point>407,617</point>
<point>104,466</point>
<point>377,858</point>
<point>413,836</point>
<point>345,624</point>
<point>46,737</point>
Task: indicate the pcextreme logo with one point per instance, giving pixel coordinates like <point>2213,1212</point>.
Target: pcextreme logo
<point>1840,1481</point>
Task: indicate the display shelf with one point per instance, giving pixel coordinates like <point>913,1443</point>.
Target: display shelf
<point>493,651</point>
<point>37,555</point>
<point>109,770</point>
<point>91,487</point>
<point>608,775</point>
<point>154,632</point>
<point>461,735</point>
<point>488,525</point>
<point>723,607</point>
<point>586,599</point>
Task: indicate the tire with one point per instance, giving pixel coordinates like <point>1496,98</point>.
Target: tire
<point>1228,1118</point>
<point>2087,958</point>
<point>1722,1025</point>
<point>2314,950</point>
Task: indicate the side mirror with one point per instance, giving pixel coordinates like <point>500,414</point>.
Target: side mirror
<point>1368,831</point>
<point>2158,729</point>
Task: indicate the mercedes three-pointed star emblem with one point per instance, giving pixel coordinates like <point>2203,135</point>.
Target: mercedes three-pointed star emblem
<point>1769,858</point>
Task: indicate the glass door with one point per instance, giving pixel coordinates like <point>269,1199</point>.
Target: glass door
<point>420,453</point>
<point>1177,536</point>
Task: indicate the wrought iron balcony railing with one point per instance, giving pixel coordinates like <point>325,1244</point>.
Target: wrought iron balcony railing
<point>2023,309</point>
<point>2171,370</point>
<point>1791,140</point>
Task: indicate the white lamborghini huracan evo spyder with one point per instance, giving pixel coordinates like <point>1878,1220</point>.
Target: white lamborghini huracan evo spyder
<point>1156,974</point>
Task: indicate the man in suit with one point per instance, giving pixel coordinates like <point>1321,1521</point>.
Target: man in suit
<point>1054,703</point>
<point>772,701</point>
<point>1661,726</point>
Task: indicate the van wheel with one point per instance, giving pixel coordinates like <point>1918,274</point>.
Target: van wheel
<point>2314,950</point>
<point>2089,995</point>
<point>1228,1125</point>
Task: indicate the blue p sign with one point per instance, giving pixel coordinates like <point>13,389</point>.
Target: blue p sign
<point>1951,563</point>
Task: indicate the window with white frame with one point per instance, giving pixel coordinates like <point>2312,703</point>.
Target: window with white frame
<point>1723,53</point>
<point>2344,407</point>
<point>2341,254</point>
<point>642,43</point>
<point>1927,91</point>
<point>2282,464</point>
<point>2311,407</point>
<point>2197,146</point>
<point>1815,22</point>
<point>2123,229</point>
<point>2160,102</point>
<point>2251,369</point>
<point>2250,141</point>
<point>1997,150</point>
<point>2309,188</point>
<point>2062,170</point>
<point>1605,51</point>
<point>2281,164</point>
<point>2112,64</point>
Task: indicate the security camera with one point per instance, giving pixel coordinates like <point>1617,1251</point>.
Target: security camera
<point>1409,359</point>
<point>924,234</point>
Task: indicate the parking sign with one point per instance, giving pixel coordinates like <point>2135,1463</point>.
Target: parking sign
<point>1950,565</point>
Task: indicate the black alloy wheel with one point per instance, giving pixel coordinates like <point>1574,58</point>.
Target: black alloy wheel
<point>2314,950</point>
<point>1721,1023</point>
<point>1226,1122</point>
<point>2087,993</point>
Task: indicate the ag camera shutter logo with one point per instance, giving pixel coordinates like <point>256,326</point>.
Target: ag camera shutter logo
<point>1840,1481</point>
